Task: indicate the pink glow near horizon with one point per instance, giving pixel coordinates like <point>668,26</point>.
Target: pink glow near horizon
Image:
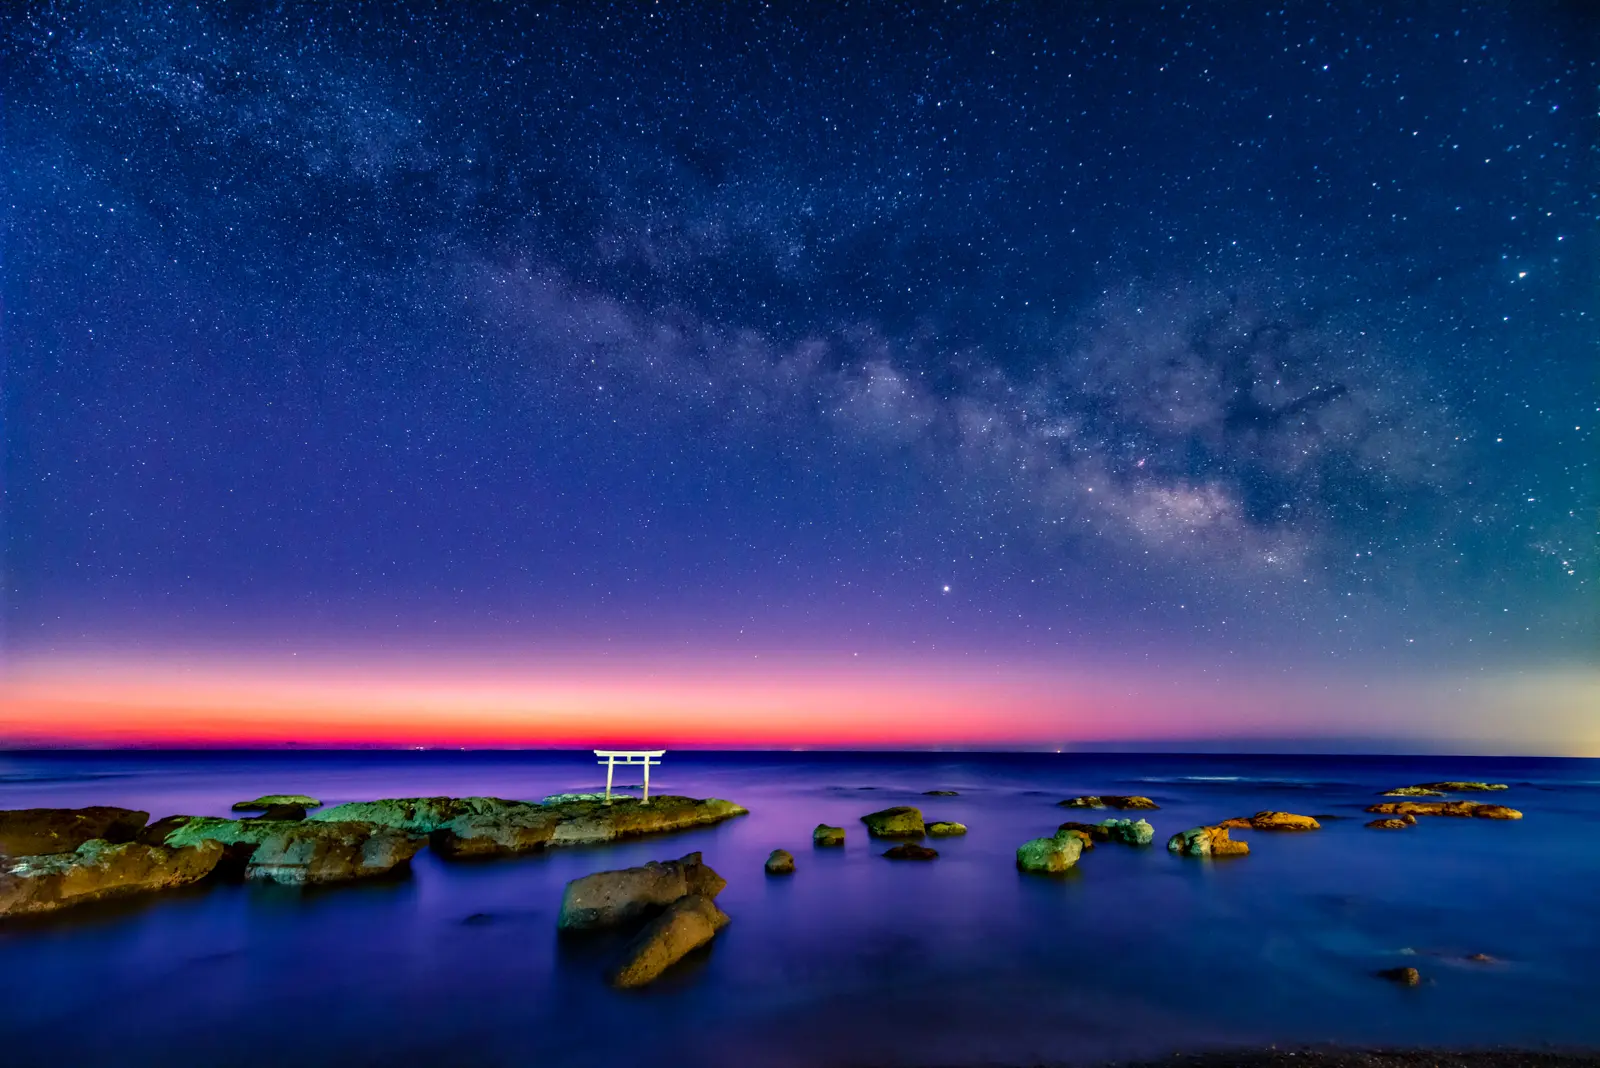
<point>100,699</point>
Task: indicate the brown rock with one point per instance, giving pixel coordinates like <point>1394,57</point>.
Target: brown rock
<point>1273,821</point>
<point>1394,823</point>
<point>611,898</point>
<point>98,870</point>
<point>300,853</point>
<point>1206,842</point>
<point>1444,808</point>
<point>26,832</point>
<point>911,851</point>
<point>1403,976</point>
<point>1109,801</point>
<point>687,924</point>
<point>780,862</point>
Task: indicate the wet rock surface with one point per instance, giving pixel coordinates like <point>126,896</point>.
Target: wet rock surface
<point>1120,801</point>
<point>946,829</point>
<point>902,821</point>
<point>827,836</point>
<point>267,801</point>
<point>28,832</point>
<point>617,898</point>
<point>780,862</point>
<point>687,924</point>
<point>1206,842</point>
<point>1445,808</point>
<point>1393,823</point>
<point>300,852</point>
<point>1273,821</point>
<point>98,870</point>
<point>1053,854</point>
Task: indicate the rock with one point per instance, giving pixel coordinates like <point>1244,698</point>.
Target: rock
<point>1482,958</point>
<point>687,924</point>
<point>1273,821</point>
<point>1054,854</point>
<point>1128,832</point>
<point>267,801</point>
<point>27,832</point>
<point>303,852</point>
<point>1087,838</point>
<point>943,829</point>
<point>1455,786</point>
<point>1394,823</point>
<point>282,812</point>
<point>1413,791</point>
<point>940,793</point>
<point>911,851</point>
<point>1444,808</point>
<point>1403,976</point>
<point>827,836</point>
<point>1109,801</point>
<point>902,821</point>
<point>780,862</point>
<point>612,898</point>
<point>1206,842</point>
<point>97,870</point>
<point>561,799</point>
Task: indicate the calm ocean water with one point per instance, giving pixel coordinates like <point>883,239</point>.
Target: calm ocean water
<point>855,960</point>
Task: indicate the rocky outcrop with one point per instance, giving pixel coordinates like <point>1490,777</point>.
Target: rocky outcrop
<point>98,870</point>
<point>1075,830</point>
<point>911,851</point>
<point>1273,821</point>
<point>267,801</point>
<point>827,836</point>
<point>1444,808</point>
<point>780,862</point>
<point>26,832</point>
<point>1128,832</point>
<point>301,852</point>
<point>615,898</point>
<point>1206,842</point>
<point>939,793</point>
<point>946,829</point>
<point>1132,801</point>
<point>902,821</point>
<point>687,924</point>
<point>1457,786</point>
<point>1413,791</point>
<point>1393,823</point>
<point>1054,854</point>
<point>1403,976</point>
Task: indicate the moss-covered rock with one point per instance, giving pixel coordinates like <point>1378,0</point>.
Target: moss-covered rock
<point>1206,842</point>
<point>902,821</point>
<point>1444,808</point>
<point>617,898</point>
<point>1273,821</point>
<point>827,836</point>
<point>687,924</point>
<point>1129,801</point>
<point>1054,854</point>
<point>946,829</point>
<point>27,832</point>
<point>267,801</point>
<point>302,852</point>
<point>780,862</point>
<point>98,870</point>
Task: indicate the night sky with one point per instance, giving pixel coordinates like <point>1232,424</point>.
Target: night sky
<point>1115,353</point>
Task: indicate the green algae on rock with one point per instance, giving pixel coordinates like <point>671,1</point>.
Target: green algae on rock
<point>1206,842</point>
<point>902,821</point>
<point>99,870</point>
<point>303,852</point>
<point>827,836</point>
<point>614,898</point>
<point>267,801</point>
<point>1054,854</point>
<point>946,829</point>
<point>686,925</point>
<point>26,832</point>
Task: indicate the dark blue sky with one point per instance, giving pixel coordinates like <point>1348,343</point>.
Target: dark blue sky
<point>1184,330</point>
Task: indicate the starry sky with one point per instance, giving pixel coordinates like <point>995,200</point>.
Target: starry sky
<point>990,374</point>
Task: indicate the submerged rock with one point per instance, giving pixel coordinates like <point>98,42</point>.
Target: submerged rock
<point>1206,842</point>
<point>267,801</point>
<point>687,924</point>
<point>911,851</point>
<point>1132,801</point>
<point>1444,808</point>
<point>26,832</point>
<point>945,829</point>
<point>612,898</point>
<point>1273,821</point>
<point>780,862</point>
<point>902,821</point>
<point>1403,976</point>
<point>1054,854</point>
<point>940,793</point>
<point>1394,823</point>
<point>98,870</point>
<point>827,836</point>
<point>302,852</point>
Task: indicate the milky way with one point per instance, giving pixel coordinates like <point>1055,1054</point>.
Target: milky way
<point>1190,331</point>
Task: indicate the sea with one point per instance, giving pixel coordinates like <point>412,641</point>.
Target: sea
<point>854,959</point>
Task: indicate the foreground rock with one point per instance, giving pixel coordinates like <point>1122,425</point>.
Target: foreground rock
<point>491,826</point>
<point>1206,842</point>
<point>945,829</point>
<point>1403,976</point>
<point>1273,821</point>
<point>827,836</point>
<point>1132,801</point>
<point>902,821</point>
<point>1128,832</point>
<point>267,801</point>
<point>97,871</point>
<point>614,898</point>
<point>687,924</point>
<point>1393,823</point>
<point>1444,808</point>
<point>300,852</point>
<point>911,851</point>
<point>780,862</point>
<point>1054,854</point>
<point>26,832</point>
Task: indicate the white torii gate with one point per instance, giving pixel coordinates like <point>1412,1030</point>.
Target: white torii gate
<point>646,757</point>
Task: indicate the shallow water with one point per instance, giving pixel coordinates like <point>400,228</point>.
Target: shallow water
<point>855,959</point>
